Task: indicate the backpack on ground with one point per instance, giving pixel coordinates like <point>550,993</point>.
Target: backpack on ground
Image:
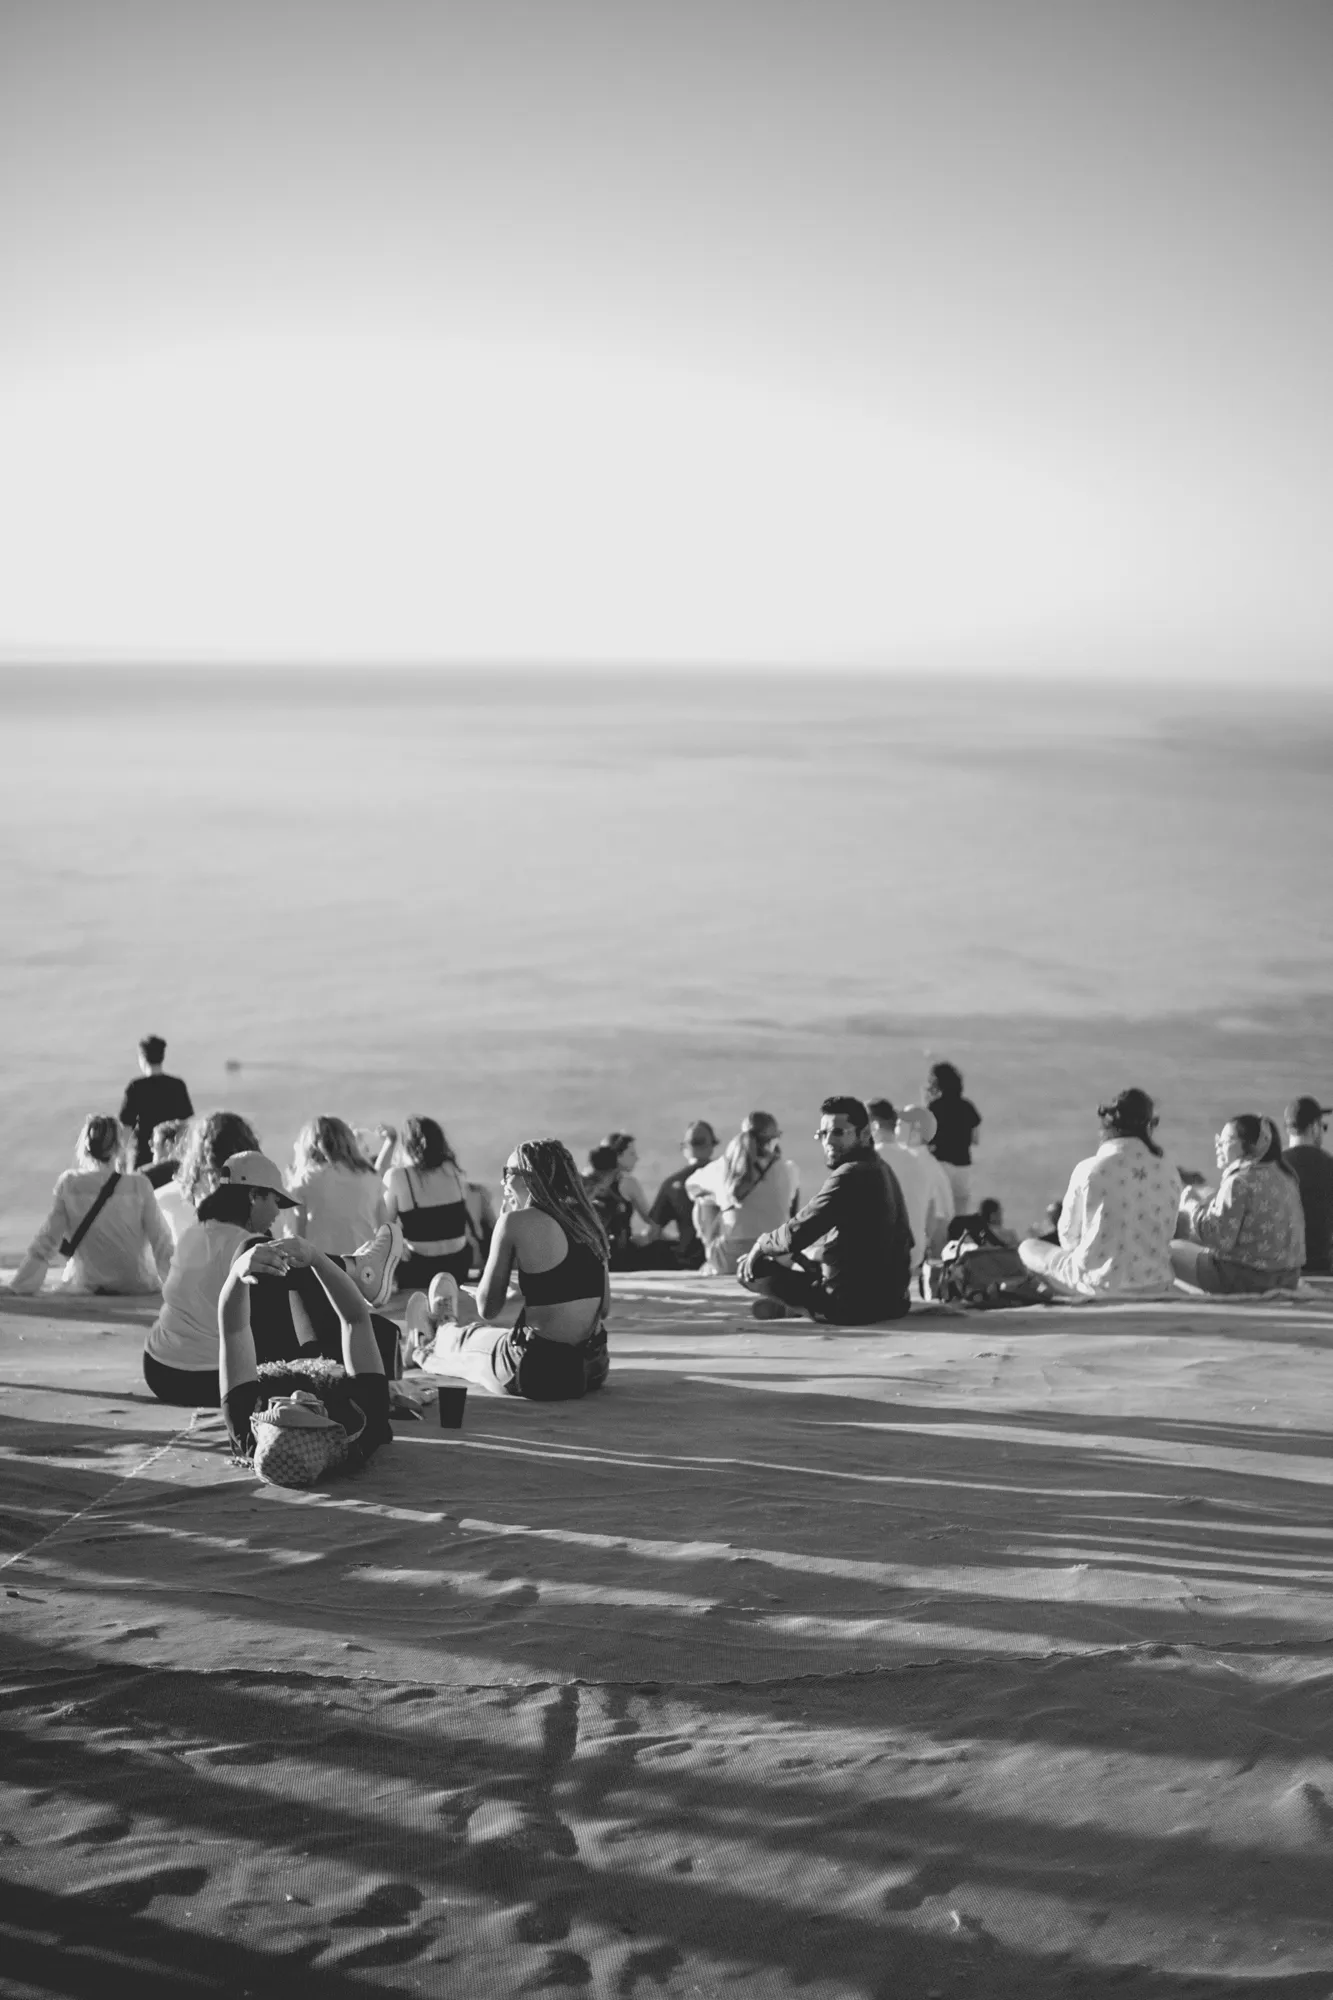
<point>978,1271</point>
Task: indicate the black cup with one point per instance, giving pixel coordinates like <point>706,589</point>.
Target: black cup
<point>452,1400</point>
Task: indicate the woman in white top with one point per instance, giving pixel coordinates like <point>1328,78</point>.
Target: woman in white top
<point>180,1360</point>
<point>742,1195</point>
<point>1118,1215</point>
<point>126,1245</point>
<point>339,1200</point>
<point>427,1195</point>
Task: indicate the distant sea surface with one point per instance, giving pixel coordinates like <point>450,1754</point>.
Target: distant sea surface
<point>530,903</point>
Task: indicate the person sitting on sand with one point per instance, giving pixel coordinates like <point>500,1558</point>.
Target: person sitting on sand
<point>751,1190</point>
<point>1250,1236</point>
<point>902,1140</point>
<point>550,1237</point>
<point>991,1217</point>
<point>957,1122</point>
<point>1118,1212</point>
<point>180,1360</point>
<point>170,1144</point>
<point>150,1099</point>
<point>238,1369</point>
<point>105,1222</point>
<point>860,1222</point>
<point>339,1199</point>
<point>427,1195</point>
<point>617,1197</point>
<point>672,1204</point>
<point>1306,1121</point>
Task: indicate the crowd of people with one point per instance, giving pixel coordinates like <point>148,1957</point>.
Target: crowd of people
<point>256,1266</point>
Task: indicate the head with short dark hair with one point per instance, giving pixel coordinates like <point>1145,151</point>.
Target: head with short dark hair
<point>943,1080</point>
<point>850,1108</point>
<point>153,1050</point>
<point>211,1143</point>
<point>882,1111</point>
<point>554,1185</point>
<point>424,1145</point>
<point>700,1142</point>
<point>1131,1115</point>
<point>98,1141</point>
<point>1305,1115</point>
<point>604,1161</point>
<point>990,1211</point>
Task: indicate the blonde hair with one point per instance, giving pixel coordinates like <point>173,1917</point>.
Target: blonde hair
<point>327,1142</point>
<point>742,1172</point>
<point>98,1141</point>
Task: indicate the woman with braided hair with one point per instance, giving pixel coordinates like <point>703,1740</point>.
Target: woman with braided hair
<point>550,1239</point>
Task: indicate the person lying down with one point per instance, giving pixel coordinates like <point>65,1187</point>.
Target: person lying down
<point>238,1371</point>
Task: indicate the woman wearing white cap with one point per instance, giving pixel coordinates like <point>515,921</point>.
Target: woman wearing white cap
<point>180,1360</point>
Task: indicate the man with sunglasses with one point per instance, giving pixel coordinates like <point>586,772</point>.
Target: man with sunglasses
<point>860,1224</point>
<point>1306,1120</point>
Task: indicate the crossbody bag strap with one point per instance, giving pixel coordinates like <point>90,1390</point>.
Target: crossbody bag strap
<point>71,1243</point>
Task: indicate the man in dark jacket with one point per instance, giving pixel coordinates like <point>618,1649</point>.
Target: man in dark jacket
<point>866,1251</point>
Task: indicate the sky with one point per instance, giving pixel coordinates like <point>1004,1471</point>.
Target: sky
<point>981,336</point>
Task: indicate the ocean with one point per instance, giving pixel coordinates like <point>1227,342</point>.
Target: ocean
<point>547,902</point>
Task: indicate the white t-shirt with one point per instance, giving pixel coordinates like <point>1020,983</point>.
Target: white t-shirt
<point>127,1248</point>
<point>767,1206</point>
<point>1116,1224</point>
<point>343,1209</point>
<point>927,1194</point>
<point>179,1212</point>
<point>185,1332</point>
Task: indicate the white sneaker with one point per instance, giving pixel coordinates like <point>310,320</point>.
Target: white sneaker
<point>418,1330</point>
<point>375,1265</point>
<point>443,1297</point>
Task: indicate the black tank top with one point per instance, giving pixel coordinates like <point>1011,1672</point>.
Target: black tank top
<point>580,1274</point>
<point>442,1222</point>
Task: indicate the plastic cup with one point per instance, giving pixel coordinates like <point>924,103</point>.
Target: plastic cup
<point>453,1398</point>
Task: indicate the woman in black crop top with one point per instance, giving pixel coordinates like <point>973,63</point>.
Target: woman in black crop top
<point>549,1239</point>
<point>427,1194</point>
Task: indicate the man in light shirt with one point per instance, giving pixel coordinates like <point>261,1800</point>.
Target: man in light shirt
<point>902,1140</point>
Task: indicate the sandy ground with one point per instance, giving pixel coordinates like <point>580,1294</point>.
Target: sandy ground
<point>974,1656</point>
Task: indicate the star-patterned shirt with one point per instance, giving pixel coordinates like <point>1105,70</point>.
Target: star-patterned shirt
<point>1116,1223</point>
<point>1255,1218</point>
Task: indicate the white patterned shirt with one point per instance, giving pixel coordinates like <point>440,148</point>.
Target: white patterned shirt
<point>1116,1224</point>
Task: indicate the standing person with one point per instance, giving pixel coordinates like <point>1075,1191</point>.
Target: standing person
<point>1250,1236</point>
<point>107,1224</point>
<point>427,1195</point>
<point>1118,1213</point>
<point>957,1121</point>
<point>1305,1121</point>
<point>550,1237</point>
<point>339,1199</point>
<point>751,1190</point>
<point>671,1202</point>
<point>180,1359</point>
<point>151,1099</point>
<point>902,1140</point>
<point>857,1216</point>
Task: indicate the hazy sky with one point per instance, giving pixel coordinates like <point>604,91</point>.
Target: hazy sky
<point>981,335</point>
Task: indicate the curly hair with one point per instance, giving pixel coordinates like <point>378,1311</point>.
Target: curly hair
<point>211,1143</point>
<point>556,1188</point>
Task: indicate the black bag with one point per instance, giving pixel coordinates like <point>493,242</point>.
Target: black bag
<point>69,1244</point>
<point>975,1270</point>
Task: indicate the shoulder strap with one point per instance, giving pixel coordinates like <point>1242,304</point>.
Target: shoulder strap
<point>71,1243</point>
